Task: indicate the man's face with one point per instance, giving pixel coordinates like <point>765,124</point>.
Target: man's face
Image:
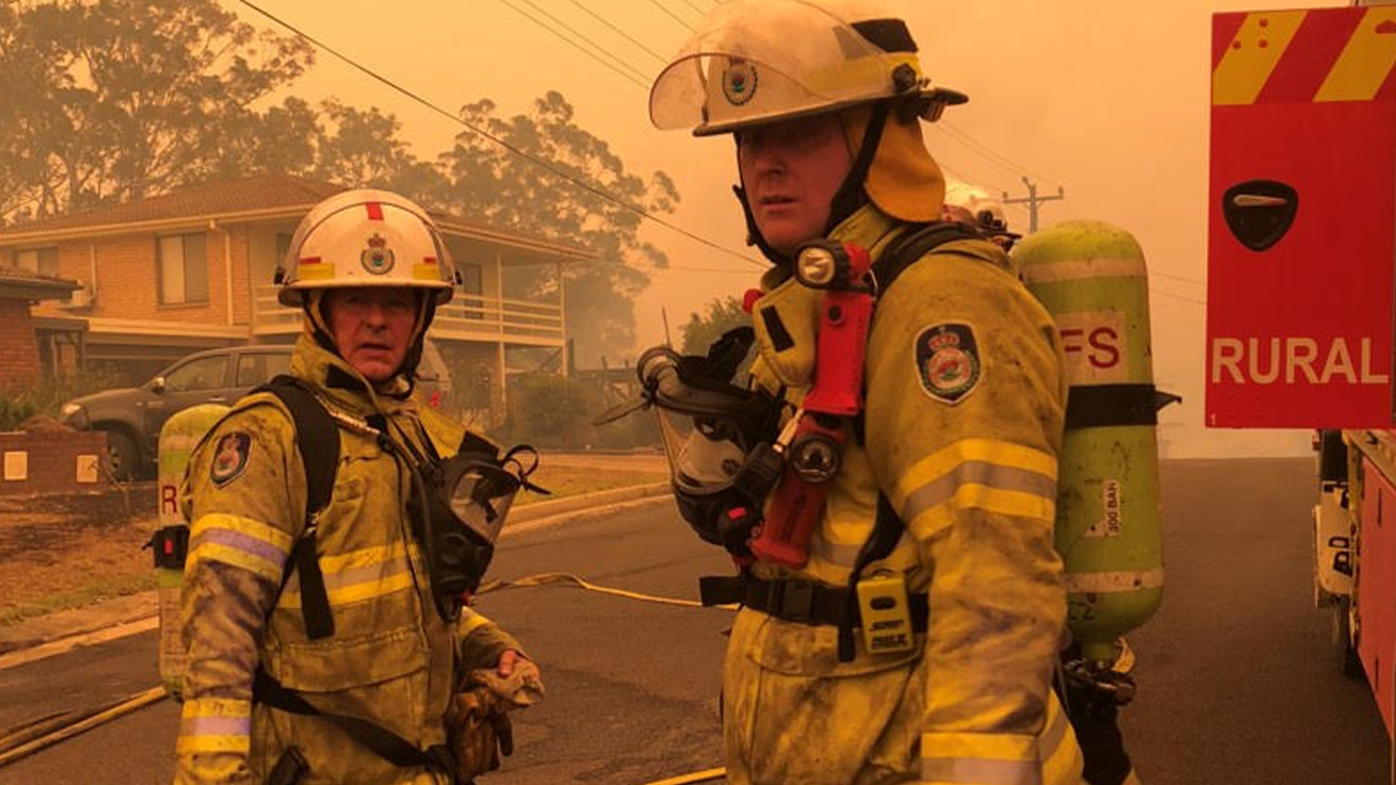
<point>371,327</point>
<point>791,171</point>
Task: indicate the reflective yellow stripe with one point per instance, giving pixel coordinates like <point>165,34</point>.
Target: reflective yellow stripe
<point>318,271</point>
<point>357,576</point>
<point>1018,505</point>
<point>942,463</point>
<point>1366,60</point>
<point>984,746</point>
<point>1247,64</point>
<point>1062,760</point>
<point>271,535</point>
<point>215,707</point>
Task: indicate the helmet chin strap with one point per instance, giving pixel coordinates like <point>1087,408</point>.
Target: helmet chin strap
<point>845,201</point>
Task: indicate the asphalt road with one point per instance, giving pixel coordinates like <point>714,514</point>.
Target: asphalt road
<point>1236,684</point>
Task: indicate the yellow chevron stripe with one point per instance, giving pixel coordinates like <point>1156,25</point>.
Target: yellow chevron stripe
<point>1366,60</point>
<point>1244,70</point>
<point>193,745</point>
<point>214,552</point>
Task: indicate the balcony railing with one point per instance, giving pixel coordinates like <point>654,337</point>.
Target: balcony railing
<point>467,317</point>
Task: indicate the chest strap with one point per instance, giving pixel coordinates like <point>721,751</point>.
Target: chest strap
<point>797,600</point>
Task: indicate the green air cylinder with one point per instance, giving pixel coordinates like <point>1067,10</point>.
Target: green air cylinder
<point>1091,277</point>
<point>181,433</point>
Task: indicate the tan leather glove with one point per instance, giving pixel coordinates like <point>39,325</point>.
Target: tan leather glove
<point>477,721</point>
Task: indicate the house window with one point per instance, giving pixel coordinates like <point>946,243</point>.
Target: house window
<point>43,261</point>
<point>283,247</point>
<point>472,283</point>
<point>183,263</point>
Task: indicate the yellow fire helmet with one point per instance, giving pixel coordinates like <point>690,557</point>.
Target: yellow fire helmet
<point>757,61</point>
<point>366,238</point>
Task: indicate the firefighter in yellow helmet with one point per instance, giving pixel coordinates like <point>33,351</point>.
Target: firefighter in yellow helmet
<point>329,645</point>
<point>956,441</point>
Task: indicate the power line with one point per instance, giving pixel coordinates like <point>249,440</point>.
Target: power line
<point>701,11</point>
<point>628,76</point>
<point>1178,278</point>
<point>673,15</point>
<point>545,164</point>
<point>986,152</point>
<point>1177,296</point>
<point>661,58</point>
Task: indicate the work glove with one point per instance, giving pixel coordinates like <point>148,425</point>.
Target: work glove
<point>477,720</point>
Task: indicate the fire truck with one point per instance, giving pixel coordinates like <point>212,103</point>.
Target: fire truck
<point>1302,285</point>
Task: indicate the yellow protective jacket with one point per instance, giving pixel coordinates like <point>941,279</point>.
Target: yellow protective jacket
<point>964,445</point>
<point>391,659</point>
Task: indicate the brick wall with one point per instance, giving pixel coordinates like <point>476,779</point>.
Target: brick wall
<point>52,462</point>
<point>19,349</point>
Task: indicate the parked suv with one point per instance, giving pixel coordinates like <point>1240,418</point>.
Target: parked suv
<point>132,416</point>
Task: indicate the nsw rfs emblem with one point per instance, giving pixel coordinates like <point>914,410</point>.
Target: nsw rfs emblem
<point>739,82</point>
<point>229,457</point>
<point>377,258</point>
<point>947,361</point>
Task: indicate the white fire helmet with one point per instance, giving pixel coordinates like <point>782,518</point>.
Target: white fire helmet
<point>366,237</point>
<point>757,61</point>
<point>984,210</point>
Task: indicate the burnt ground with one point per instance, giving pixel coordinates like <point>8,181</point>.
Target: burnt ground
<point>64,550</point>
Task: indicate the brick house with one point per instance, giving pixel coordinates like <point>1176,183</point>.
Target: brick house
<point>23,355</point>
<point>190,270</point>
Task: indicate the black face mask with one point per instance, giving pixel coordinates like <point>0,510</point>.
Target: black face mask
<point>460,504</point>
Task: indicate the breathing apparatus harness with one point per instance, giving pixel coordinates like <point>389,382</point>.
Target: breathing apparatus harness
<point>725,463</point>
<point>458,506</point>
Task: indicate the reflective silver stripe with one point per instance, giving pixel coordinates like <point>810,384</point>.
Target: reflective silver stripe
<point>1084,268</point>
<point>242,542</point>
<point>992,475</point>
<point>1109,582</point>
<point>215,726</point>
<point>1052,737</point>
<point>979,771</point>
<point>355,575</point>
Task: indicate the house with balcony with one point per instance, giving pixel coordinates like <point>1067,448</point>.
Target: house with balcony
<point>193,269</point>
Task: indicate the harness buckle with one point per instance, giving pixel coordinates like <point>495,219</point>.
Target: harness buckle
<point>794,600</point>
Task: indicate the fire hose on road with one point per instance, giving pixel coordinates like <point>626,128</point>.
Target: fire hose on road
<point>40,734</point>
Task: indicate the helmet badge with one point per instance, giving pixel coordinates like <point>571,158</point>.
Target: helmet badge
<point>377,258</point>
<point>739,81</point>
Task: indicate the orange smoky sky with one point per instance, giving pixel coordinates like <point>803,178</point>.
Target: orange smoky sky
<point>1106,100</point>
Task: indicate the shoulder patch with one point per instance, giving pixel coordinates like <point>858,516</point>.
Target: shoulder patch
<point>229,457</point>
<point>947,361</point>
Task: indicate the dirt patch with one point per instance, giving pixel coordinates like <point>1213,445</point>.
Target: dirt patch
<point>65,551</point>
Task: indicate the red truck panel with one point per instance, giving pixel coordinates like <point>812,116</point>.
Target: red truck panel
<point>1376,586</point>
<point>1299,333</point>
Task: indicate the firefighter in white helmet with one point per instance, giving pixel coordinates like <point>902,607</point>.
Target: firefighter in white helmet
<point>956,441</point>
<point>975,206</point>
<point>325,644</point>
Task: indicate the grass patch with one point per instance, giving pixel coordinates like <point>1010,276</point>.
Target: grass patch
<point>118,586</point>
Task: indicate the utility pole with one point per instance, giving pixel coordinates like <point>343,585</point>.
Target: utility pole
<point>1032,200</point>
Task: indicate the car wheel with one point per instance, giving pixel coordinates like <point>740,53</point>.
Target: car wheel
<point>123,459</point>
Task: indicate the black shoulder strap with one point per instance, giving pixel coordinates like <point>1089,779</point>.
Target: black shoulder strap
<point>317,439</point>
<point>901,253</point>
<point>914,243</point>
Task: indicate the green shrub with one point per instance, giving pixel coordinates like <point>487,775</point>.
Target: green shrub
<point>19,402</point>
<point>547,410</point>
